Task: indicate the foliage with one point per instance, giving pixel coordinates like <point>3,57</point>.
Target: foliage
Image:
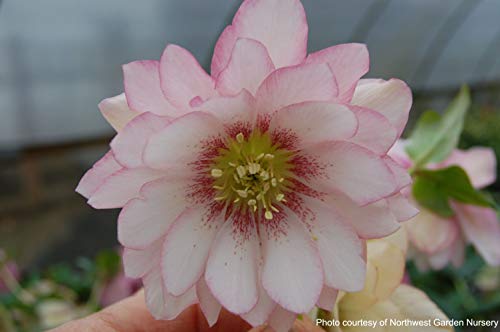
<point>471,291</point>
<point>435,136</point>
<point>434,189</point>
<point>459,292</point>
<point>71,290</point>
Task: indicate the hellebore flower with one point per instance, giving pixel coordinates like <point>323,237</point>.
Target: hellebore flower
<point>436,240</point>
<point>384,296</point>
<point>253,188</point>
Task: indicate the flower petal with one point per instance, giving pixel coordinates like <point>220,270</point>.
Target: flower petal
<point>96,176</point>
<point>262,310</point>
<point>232,267</point>
<point>293,85</point>
<point>208,303</point>
<point>479,163</point>
<point>281,320</point>
<point>247,68</point>
<point>391,98</point>
<point>182,77</point>
<point>481,227</point>
<point>280,25</point>
<point>142,87</point>
<point>339,247</point>
<point>357,172</point>
<point>371,221</point>
<point>179,143</point>
<point>431,233</point>
<point>402,176</point>
<point>186,248</point>
<point>316,122</point>
<point>440,259</point>
<point>292,273</point>
<point>375,132</point>
<point>144,220</point>
<point>327,298</point>
<point>401,207</point>
<point>231,109</point>
<point>362,300</point>
<point>122,186</point>
<point>161,304</point>
<point>136,263</point>
<point>348,62</point>
<point>398,239</point>
<point>116,111</point>
<point>389,261</point>
<point>416,305</point>
<point>399,155</point>
<point>222,50</point>
<point>129,144</point>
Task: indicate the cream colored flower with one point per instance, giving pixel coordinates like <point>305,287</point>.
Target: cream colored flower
<point>384,298</point>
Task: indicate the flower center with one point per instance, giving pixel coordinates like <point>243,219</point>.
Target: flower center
<point>252,172</point>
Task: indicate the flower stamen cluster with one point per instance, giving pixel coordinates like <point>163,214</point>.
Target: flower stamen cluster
<point>251,173</point>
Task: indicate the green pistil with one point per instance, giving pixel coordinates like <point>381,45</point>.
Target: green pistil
<point>251,172</point>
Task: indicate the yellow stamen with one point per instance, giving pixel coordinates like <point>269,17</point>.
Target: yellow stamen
<point>242,193</point>
<point>253,168</point>
<point>241,170</point>
<point>216,173</point>
<point>240,138</point>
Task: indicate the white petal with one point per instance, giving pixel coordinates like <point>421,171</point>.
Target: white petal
<point>340,249</point>
<point>293,85</point>
<point>186,248</point>
<point>375,132</point>
<point>129,144</point>
<point>316,122</point>
<point>247,68</point>
<point>280,25</point>
<point>136,263</point>
<point>179,143</point>
<point>144,220</point>
<point>142,87</point>
<point>116,111</point>
<point>292,273</point>
<point>95,176</point>
<point>371,221</point>
<point>122,186</point>
<point>182,78</point>
<point>208,303</point>
<point>348,61</point>
<point>232,268</point>
<point>391,98</point>
<point>262,310</point>
<point>401,207</point>
<point>161,304</point>
<point>357,172</point>
<point>231,110</point>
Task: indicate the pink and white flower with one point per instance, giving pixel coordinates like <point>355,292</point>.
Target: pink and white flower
<point>437,241</point>
<point>253,188</point>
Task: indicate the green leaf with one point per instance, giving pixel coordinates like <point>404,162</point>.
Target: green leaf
<point>433,189</point>
<point>429,195</point>
<point>107,264</point>
<point>435,136</point>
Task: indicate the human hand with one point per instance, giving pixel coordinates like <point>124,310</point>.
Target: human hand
<point>131,315</point>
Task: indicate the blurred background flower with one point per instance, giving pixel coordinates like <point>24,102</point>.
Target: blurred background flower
<point>61,57</point>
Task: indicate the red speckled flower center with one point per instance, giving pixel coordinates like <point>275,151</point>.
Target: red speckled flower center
<point>252,172</point>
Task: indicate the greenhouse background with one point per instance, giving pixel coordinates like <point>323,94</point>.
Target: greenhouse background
<point>59,58</point>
